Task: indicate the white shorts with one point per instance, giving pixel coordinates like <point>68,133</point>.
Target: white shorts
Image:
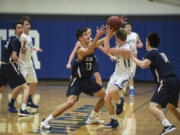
<point>28,72</point>
<point>120,80</point>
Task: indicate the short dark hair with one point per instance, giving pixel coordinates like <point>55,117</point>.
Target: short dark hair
<point>128,23</point>
<point>16,23</point>
<point>153,39</point>
<point>80,32</point>
<point>121,34</point>
<point>25,18</point>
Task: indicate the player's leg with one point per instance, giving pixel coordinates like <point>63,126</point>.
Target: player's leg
<point>31,78</point>
<point>157,113</point>
<point>58,111</point>
<point>112,93</point>
<point>131,85</point>
<point>175,111</point>
<point>11,106</point>
<point>92,117</point>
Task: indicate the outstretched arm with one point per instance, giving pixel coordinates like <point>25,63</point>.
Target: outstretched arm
<point>71,57</point>
<point>114,51</point>
<point>141,63</point>
<point>105,52</point>
<point>84,52</point>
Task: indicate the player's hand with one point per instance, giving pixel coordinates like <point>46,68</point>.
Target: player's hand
<point>38,50</point>
<point>123,19</point>
<point>113,58</point>
<point>68,66</point>
<point>100,31</point>
<point>109,31</point>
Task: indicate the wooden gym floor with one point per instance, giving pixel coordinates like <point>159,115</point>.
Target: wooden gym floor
<point>135,119</point>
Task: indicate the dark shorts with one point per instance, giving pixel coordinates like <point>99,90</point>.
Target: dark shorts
<point>167,92</point>
<point>88,86</point>
<point>10,74</point>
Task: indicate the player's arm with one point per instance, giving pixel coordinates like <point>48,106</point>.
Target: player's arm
<point>82,52</point>
<point>71,57</point>
<point>105,52</point>
<point>23,45</point>
<point>37,49</point>
<point>114,51</point>
<point>141,63</point>
<point>139,42</point>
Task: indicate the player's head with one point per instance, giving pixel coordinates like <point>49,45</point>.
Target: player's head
<point>152,40</point>
<point>26,23</point>
<point>121,36</point>
<point>89,31</point>
<point>18,28</point>
<point>82,35</point>
<point>128,27</point>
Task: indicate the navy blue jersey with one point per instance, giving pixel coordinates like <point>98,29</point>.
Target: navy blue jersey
<point>84,68</point>
<point>160,66</point>
<point>14,45</point>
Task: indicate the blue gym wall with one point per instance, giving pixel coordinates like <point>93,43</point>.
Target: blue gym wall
<point>57,39</point>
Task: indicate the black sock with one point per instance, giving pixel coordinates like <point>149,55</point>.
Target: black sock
<point>12,101</point>
<point>30,98</point>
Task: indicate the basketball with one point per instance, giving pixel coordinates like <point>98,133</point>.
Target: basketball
<point>114,22</point>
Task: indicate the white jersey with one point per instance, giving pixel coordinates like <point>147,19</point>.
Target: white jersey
<point>29,46</point>
<point>123,66</point>
<point>132,39</point>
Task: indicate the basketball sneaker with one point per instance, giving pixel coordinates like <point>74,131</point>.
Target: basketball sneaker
<point>112,124</point>
<point>31,104</point>
<point>11,108</point>
<point>119,107</point>
<point>168,129</point>
<point>45,125</point>
<point>93,121</point>
<point>24,113</point>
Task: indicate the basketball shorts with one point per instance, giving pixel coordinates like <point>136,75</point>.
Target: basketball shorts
<point>87,86</point>
<point>10,74</point>
<point>167,92</point>
<point>119,80</point>
<point>28,72</point>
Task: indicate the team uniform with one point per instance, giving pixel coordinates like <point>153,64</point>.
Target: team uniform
<point>132,39</point>
<point>81,80</point>
<point>161,68</point>
<point>122,74</point>
<point>27,68</point>
<point>9,71</point>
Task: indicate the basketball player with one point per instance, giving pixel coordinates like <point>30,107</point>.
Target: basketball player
<point>26,67</point>
<point>81,80</point>
<point>121,76</point>
<point>9,71</point>
<point>96,68</point>
<point>135,41</point>
<point>167,91</point>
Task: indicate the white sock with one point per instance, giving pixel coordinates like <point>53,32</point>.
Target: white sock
<point>166,123</point>
<point>93,114</point>
<point>49,118</point>
<point>118,102</point>
<point>131,87</point>
<point>113,117</point>
<point>23,107</point>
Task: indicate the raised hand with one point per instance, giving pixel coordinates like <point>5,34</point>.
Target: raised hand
<point>100,31</point>
<point>123,19</point>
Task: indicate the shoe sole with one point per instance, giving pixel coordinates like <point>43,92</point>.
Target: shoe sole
<point>169,131</point>
<point>24,115</point>
<point>43,128</point>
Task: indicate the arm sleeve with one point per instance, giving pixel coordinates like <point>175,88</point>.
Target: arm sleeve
<point>15,44</point>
